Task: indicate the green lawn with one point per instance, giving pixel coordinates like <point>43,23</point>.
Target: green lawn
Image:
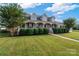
<point>38,45</point>
<point>73,35</point>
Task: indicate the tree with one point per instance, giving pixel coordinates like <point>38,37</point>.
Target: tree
<point>12,16</point>
<point>69,23</point>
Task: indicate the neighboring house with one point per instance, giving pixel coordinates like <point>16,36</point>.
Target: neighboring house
<point>43,21</point>
<point>2,28</point>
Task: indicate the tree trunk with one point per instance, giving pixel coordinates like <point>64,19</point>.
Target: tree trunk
<point>12,31</point>
<point>18,29</point>
<point>70,29</point>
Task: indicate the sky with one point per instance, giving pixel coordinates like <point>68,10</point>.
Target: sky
<point>60,10</point>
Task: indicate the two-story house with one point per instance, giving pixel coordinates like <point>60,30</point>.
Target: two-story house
<point>43,21</point>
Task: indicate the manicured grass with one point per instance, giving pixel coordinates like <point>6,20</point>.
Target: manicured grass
<point>4,35</point>
<point>38,45</point>
<point>73,35</point>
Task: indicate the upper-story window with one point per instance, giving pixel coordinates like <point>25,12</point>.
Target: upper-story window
<point>39,18</point>
<point>51,19</point>
<point>44,17</point>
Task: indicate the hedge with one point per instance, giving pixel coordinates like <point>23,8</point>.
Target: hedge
<point>4,31</point>
<point>40,30</point>
<point>46,31</point>
<point>26,32</point>
<point>33,31</point>
<point>60,30</point>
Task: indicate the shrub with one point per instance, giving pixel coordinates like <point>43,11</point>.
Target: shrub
<point>29,31</point>
<point>22,32</point>
<point>67,30</point>
<point>35,31</point>
<point>45,31</point>
<point>3,31</point>
<point>40,30</point>
<point>60,30</point>
<point>26,32</point>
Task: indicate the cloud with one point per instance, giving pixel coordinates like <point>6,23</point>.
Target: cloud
<point>61,8</point>
<point>29,5</point>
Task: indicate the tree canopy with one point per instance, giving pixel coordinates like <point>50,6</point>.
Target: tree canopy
<point>11,14</point>
<point>69,22</point>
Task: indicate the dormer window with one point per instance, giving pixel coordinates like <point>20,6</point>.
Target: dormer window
<point>44,17</point>
<point>33,16</point>
<point>51,19</point>
<point>39,18</point>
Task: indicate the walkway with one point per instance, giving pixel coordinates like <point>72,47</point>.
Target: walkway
<point>65,37</point>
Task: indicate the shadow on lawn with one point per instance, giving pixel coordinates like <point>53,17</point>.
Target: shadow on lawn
<point>2,35</point>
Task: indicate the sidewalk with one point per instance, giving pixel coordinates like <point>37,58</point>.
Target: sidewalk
<point>65,37</point>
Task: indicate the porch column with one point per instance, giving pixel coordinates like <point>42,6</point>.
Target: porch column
<point>35,25</point>
<point>30,25</point>
<point>25,26</point>
<point>43,25</point>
